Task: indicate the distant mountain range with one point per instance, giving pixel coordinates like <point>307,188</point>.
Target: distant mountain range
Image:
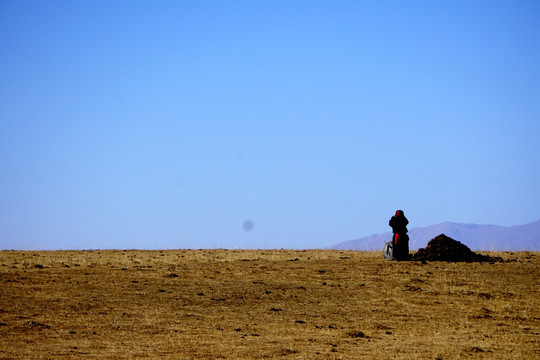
<point>476,237</point>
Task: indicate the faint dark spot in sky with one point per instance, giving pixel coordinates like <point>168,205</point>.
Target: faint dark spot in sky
<point>179,183</point>
<point>248,225</point>
<point>240,157</point>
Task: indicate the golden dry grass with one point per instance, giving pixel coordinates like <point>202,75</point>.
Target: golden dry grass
<point>268,304</point>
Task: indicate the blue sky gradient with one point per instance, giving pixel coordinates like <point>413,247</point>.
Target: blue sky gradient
<point>169,124</point>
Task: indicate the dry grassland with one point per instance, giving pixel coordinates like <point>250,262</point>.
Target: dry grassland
<point>265,304</point>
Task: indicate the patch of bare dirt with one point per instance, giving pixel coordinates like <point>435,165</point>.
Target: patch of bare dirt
<point>444,248</point>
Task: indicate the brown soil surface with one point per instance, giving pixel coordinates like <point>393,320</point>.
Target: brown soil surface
<point>444,248</point>
<point>283,304</point>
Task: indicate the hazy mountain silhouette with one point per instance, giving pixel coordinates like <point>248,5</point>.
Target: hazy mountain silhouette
<point>476,237</point>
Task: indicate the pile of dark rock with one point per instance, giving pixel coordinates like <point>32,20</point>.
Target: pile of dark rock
<point>444,248</point>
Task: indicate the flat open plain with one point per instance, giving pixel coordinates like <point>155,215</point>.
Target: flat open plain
<point>265,304</point>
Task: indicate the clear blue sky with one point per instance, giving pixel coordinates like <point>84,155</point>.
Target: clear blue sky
<point>170,124</point>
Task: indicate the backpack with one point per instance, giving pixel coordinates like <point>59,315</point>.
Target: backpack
<point>388,251</point>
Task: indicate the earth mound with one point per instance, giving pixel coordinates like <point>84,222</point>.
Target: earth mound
<point>444,248</point>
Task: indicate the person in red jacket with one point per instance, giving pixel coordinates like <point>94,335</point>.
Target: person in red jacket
<point>400,239</point>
